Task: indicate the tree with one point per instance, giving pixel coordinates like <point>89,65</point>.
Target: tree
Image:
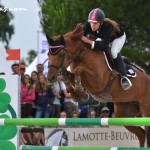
<point>6,28</point>
<point>31,56</point>
<point>23,61</point>
<point>61,16</point>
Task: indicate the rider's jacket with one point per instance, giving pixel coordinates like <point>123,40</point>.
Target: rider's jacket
<point>104,32</point>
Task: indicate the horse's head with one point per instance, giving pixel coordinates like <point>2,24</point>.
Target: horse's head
<point>61,52</point>
<point>57,56</point>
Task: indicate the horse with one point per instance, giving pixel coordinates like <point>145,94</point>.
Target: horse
<point>89,72</point>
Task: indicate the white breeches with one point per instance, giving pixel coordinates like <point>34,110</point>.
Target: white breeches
<point>117,45</point>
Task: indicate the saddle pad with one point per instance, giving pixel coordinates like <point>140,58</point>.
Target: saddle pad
<point>129,69</point>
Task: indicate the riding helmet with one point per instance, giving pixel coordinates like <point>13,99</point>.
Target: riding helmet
<point>96,15</point>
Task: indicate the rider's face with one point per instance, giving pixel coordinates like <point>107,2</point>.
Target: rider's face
<point>95,25</point>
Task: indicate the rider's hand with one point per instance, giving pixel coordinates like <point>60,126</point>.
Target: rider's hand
<point>86,40</point>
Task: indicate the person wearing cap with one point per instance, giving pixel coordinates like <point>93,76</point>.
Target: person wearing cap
<point>22,71</point>
<point>104,112</point>
<point>106,32</point>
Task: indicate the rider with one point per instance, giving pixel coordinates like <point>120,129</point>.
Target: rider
<point>107,31</point>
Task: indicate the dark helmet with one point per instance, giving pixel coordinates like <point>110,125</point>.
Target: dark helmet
<point>96,15</point>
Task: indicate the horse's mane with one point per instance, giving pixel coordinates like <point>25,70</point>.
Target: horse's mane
<point>77,33</point>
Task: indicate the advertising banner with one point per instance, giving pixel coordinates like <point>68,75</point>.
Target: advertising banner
<point>97,136</point>
<point>9,108</point>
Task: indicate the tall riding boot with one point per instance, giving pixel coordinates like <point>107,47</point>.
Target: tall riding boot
<point>120,67</point>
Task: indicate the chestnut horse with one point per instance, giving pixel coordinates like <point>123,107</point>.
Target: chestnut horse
<point>89,71</point>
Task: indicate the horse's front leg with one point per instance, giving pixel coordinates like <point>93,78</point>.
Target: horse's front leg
<point>78,85</point>
<point>70,83</point>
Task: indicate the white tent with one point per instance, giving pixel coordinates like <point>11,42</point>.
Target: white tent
<point>32,66</point>
<point>5,66</point>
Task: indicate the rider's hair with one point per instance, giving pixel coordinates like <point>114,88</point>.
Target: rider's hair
<point>114,24</point>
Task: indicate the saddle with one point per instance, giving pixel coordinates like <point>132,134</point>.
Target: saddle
<point>129,69</point>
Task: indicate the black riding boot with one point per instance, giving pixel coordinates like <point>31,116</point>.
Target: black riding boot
<point>120,67</point>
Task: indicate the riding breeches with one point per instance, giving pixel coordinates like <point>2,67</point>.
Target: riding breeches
<point>117,45</point>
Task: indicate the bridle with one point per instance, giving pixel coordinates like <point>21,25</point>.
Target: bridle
<point>60,47</point>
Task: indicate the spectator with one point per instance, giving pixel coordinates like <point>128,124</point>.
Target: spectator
<point>22,71</point>
<point>63,114</point>
<point>44,97</point>
<point>34,76</point>
<point>56,104</point>
<point>104,112</point>
<point>40,68</point>
<point>69,104</point>
<point>15,68</point>
<point>84,111</point>
<point>92,113</point>
<point>27,96</point>
<point>74,114</point>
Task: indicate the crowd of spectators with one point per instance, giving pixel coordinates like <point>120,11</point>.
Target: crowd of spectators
<point>40,99</point>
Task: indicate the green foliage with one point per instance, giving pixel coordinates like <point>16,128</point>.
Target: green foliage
<point>23,61</point>
<point>6,29</point>
<point>61,16</point>
<point>142,58</point>
<point>31,56</point>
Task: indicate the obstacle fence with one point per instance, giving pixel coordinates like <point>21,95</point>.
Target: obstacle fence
<point>77,121</point>
<point>28,147</point>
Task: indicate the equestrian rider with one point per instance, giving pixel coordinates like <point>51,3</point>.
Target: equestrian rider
<point>107,31</point>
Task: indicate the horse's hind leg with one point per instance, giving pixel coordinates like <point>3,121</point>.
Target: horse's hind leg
<point>139,132</point>
<point>145,105</point>
<point>130,110</point>
<point>148,135</point>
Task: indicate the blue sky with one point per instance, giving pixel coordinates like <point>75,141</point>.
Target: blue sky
<point>26,24</point>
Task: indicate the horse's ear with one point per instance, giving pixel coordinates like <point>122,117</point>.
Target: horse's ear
<point>50,41</point>
<point>62,39</point>
<point>78,32</point>
<point>48,54</point>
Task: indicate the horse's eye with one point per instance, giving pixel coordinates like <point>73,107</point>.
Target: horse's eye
<point>60,55</point>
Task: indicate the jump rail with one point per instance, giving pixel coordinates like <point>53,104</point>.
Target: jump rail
<point>77,121</point>
<point>27,147</point>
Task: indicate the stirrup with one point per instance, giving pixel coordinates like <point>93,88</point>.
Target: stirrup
<point>127,84</point>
